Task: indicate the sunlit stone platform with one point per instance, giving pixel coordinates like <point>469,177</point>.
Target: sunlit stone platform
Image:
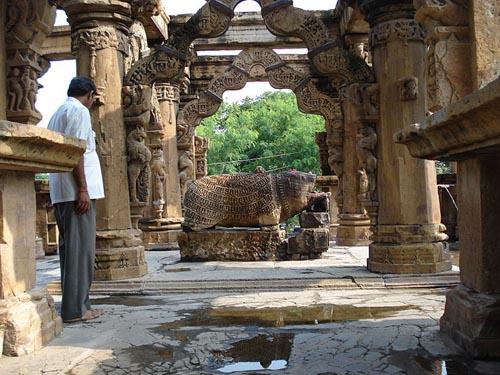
<point>339,268</point>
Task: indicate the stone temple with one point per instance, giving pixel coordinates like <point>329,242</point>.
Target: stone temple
<point>194,272</point>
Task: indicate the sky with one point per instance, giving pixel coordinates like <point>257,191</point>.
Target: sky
<point>55,82</point>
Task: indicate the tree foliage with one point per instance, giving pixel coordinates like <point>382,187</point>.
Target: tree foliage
<point>262,128</point>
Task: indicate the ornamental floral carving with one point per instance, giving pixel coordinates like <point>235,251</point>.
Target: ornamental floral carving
<point>401,29</point>
<point>99,38</point>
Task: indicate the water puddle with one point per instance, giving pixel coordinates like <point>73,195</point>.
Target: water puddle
<point>181,269</point>
<point>128,301</point>
<point>281,316</point>
<point>414,362</point>
<point>262,352</point>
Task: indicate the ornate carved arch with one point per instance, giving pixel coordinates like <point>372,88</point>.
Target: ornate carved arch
<point>326,53</point>
<point>281,76</point>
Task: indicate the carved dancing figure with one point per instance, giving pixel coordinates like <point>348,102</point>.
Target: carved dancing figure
<point>138,166</point>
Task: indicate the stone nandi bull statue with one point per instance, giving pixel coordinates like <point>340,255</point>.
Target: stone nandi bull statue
<point>246,199</point>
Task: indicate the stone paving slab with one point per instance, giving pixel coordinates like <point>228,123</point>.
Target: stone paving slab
<point>340,268</point>
<point>311,332</point>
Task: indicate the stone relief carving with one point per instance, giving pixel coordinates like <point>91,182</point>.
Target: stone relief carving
<point>159,175</point>
<point>448,76</point>
<point>366,151</point>
<point>138,45</point>
<point>27,24</point>
<point>200,151</point>
<point>246,199</point>
<point>186,169</point>
<point>282,19</point>
<point>405,29</point>
<point>138,158</point>
<point>321,141</point>
<point>145,8</point>
<point>98,38</point>
<point>408,89</point>
<point>335,142</point>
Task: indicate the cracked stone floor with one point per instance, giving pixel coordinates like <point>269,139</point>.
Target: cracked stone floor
<point>322,331</point>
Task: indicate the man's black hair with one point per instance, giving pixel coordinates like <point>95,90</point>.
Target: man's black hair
<point>80,86</point>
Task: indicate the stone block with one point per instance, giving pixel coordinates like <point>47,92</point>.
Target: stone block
<point>308,242</point>
<point>231,244</point>
<point>472,320</point>
<point>314,219</point>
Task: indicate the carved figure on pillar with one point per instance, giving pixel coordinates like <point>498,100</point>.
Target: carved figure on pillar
<point>186,169</point>
<point>138,166</point>
<point>366,148</point>
<point>14,90</point>
<point>159,175</point>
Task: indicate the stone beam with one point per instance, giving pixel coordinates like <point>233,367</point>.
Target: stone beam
<point>248,30</point>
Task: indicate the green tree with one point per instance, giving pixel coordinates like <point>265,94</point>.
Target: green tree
<point>262,128</point>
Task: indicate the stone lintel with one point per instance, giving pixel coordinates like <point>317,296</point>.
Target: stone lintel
<point>32,149</point>
<point>472,320</point>
<point>464,129</point>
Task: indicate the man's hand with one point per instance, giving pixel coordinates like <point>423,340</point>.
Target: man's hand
<point>83,202</point>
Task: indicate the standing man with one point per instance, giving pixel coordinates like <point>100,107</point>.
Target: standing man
<point>73,195</point>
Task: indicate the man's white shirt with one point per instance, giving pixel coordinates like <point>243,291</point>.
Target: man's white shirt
<point>73,118</point>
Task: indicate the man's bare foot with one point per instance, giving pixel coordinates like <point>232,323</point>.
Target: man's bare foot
<point>89,315</point>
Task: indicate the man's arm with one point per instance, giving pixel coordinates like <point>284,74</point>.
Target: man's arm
<point>83,202</point>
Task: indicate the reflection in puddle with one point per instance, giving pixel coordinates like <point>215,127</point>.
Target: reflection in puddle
<point>252,366</point>
<point>262,352</point>
<point>281,316</point>
<point>414,362</point>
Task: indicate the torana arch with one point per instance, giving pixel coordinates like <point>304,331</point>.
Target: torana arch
<point>244,68</point>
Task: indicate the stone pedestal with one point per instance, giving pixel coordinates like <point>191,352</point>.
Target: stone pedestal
<point>27,317</point>
<point>231,244</point>
<point>407,237</point>
<point>469,131</point>
<point>330,184</point>
<point>353,230</point>
<point>100,48</point>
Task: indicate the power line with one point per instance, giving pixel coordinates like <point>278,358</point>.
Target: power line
<point>261,158</point>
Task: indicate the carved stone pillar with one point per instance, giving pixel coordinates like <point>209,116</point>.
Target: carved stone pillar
<point>360,167</point>
<point>321,141</point>
<point>101,47</point>
<point>408,237</point>
<point>27,25</point>
<point>200,152</point>
<point>161,225</point>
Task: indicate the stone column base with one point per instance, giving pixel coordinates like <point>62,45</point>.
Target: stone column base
<point>353,230</point>
<point>472,320</point>
<point>333,231</point>
<point>407,249</point>
<point>119,255</point>
<point>161,234</point>
<point>28,322</point>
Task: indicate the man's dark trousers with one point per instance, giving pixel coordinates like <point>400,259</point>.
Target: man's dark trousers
<point>77,256</point>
